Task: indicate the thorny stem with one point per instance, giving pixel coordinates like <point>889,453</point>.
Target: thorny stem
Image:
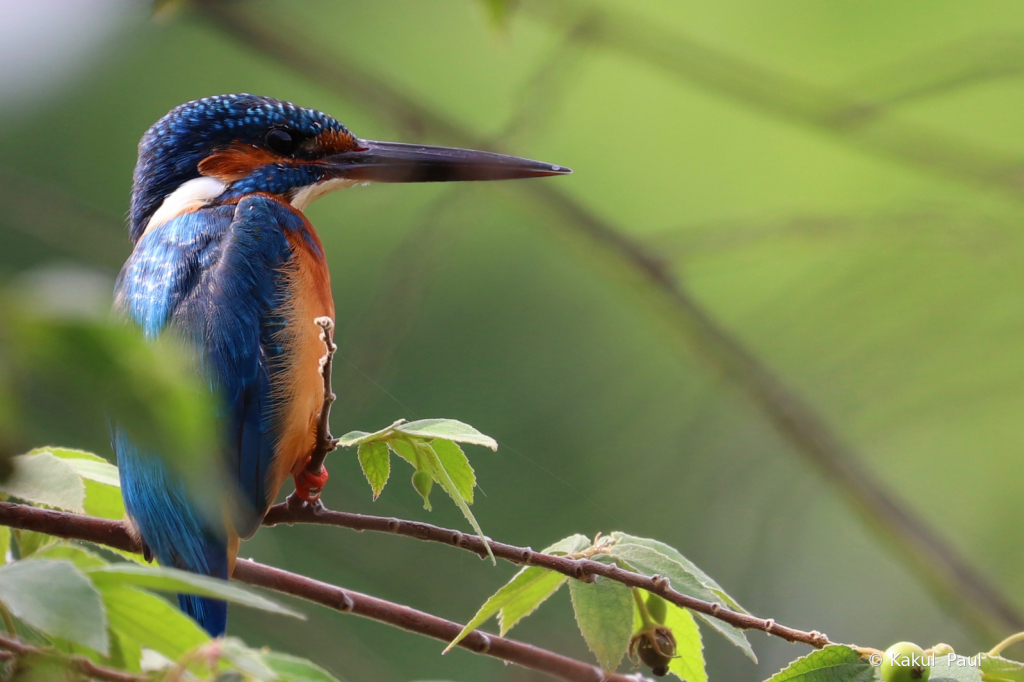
<point>115,534</point>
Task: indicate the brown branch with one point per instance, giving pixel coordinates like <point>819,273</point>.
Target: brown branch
<point>114,534</point>
<point>17,648</point>
<point>943,570</point>
<point>325,442</point>
<point>580,569</point>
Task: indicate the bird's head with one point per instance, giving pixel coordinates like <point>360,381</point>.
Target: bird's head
<point>220,148</point>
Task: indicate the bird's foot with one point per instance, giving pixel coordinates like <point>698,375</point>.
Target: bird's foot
<point>309,485</point>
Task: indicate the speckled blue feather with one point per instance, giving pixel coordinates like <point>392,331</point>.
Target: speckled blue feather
<point>214,276</point>
<point>170,151</point>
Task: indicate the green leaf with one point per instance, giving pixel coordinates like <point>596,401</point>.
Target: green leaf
<point>996,669</point>
<point>5,543</point>
<point>44,479</point>
<point>448,429</point>
<point>294,669</point>
<point>444,480</point>
<point>57,599</point>
<point>30,542</point>
<point>454,461</point>
<point>604,613</point>
<point>375,460</point>
<point>151,621</point>
<point>691,568</point>
<point>645,559</point>
<point>81,558</point>
<point>88,465</point>
<point>959,670</point>
<point>527,590</point>
<point>570,545</point>
<point>836,663</point>
<point>689,664</point>
<point>172,580</point>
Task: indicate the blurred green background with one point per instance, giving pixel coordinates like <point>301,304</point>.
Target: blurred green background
<point>838,186</point>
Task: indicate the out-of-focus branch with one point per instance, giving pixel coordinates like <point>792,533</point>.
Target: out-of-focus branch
<point>581,569</point>
<point>850,118</point>
<point>114,534</point>
<point>15,648</point>
<point>957,584</point>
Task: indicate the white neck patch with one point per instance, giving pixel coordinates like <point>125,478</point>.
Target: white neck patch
<point>191,196</point>
<point>310,193</point>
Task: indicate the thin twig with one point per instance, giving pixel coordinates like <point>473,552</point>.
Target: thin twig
<point>82,664</point>
<point>943,570</point>
<point>114,534</point>
<point>325,442</point>
<point>580,569</point>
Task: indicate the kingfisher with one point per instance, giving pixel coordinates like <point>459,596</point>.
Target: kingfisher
<point>224,258</point>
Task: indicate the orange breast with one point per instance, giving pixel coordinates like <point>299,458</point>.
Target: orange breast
<point>298,388</point>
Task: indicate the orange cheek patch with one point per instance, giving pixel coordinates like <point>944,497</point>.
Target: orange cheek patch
<point>335,141</point>
<point>236,162</point>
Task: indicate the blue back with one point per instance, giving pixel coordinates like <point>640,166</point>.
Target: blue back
<point>215,277</point>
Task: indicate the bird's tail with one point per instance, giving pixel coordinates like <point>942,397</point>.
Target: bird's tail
<point>212,614</point>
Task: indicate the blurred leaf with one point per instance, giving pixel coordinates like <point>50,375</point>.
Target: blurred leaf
<point>455,462</point>
<point>98,370</point>
<point>81,558</point>
<point>375,461</point>
<point>294,669</point>
<point>836,663</point>
<point>57,599</point>
<point>151,621</point>
<point>246,660</point>
<point>172,580</point>
<point>997,669</point>
<point>5,543</point>
<point>520,597</point>
<point>570,545</point>
<point>449,429</point>
<point>42,478</point>
<point>30,542</point>
<point>100,477</point>
<point>642,558</point>
<point>604,613</point>
<point>497,11</point>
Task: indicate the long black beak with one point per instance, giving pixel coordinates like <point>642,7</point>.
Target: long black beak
<point>397,162</point>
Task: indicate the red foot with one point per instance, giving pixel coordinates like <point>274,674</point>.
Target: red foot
<point>308,486</point>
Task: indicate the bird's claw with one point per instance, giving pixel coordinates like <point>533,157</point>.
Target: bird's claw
<point>309,485</point>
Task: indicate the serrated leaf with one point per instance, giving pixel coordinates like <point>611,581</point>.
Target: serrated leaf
<point>151,621</point>
<point>444,480</point>
<point>956,670</point>
<point>604,613</point>
<point>645,559</point>
<point>690,567</point>
<point>375,460</point>
<point>353,438</point>
<point>569,545</point>
<point>449,429</point>
<point>836,663</point>
<point>42,478</point>
<point>689,664</point>
<point>172,580</point>
<point>294,669</point>
<point>56,598</point>
<point>455,462</point>
<point>997,669</point>
<point>524,593</point>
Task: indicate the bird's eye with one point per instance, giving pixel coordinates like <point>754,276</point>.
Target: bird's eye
<point>281,141</point>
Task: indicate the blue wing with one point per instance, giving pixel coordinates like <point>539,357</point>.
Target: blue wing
<point>215,277</point>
